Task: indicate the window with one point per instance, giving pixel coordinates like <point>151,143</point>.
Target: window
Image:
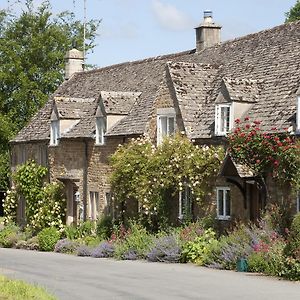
<point>94,206</point>
<point>223,203</point>
<point>223,119</point>
<point>100,130</point>
<point>165,127</point>
<point>54,133</point>
<point>185,204</point>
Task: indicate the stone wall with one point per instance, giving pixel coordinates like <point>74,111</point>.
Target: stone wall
<point>164,99</point>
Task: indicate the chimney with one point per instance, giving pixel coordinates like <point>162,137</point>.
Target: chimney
<point>74,62</point>
<point>207,33</point>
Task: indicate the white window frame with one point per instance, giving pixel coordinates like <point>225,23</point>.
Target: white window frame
<point>160,134</point>
<point>223,215</point>
<point>54,132</point>
<point>218,119</point>
<point>94,205</point>
<point>298,115</point>
<point>100,130</point>
<point>184,203</point>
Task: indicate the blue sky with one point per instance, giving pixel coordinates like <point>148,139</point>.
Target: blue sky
<point>137,29</point>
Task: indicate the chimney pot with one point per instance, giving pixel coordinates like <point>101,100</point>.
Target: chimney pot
<point>74,62</point>
<point>207,33</point>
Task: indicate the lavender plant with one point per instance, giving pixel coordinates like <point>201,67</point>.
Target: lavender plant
<point>65,246</point>
<point>84,250</point>
<point>166,249</point>
<point>104,250</point>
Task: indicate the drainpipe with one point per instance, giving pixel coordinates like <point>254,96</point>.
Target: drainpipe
<point>84,182</point>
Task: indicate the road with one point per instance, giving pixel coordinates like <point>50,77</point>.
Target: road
<point>70,277</point>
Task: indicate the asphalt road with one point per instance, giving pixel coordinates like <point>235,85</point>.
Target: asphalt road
<point>71,277</point>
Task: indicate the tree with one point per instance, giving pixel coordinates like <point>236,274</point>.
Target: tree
<point>32,49</point>
<point>294,13</point>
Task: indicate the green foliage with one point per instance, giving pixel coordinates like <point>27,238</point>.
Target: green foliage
<point>148,174</point>
<point>10,235</point>
<point>104,227</point>
<point>45,204</point>
<point>294,13</point>
<point>266,153</point>
<point>137,239</point>
<point>279,216</point>
<point>19,290</point>
<point>32,47</point>
<point>269,261</point>
<point>48,238</point>
<point>293,244</point>
<point>198,250</point>
<point>292,269</point>
<point>80,231</point>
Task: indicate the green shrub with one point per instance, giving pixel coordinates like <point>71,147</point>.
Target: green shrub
<point>47,238</point>
<point>86,228</point>
<point>293,243</point>
<point>198,250</point>
<point>257,262</point>
<point>9,236</point>
<point>104,227</point>
<point>137,239</point>
<point>292,269</point>
<point>91,241</point>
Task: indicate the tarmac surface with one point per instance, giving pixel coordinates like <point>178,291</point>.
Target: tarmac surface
<point>71,278</point>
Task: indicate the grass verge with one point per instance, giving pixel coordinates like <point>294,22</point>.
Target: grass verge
<point>19,290</point>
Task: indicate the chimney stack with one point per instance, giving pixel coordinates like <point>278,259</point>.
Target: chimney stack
<point>207,33</point>
<point>74,62</point>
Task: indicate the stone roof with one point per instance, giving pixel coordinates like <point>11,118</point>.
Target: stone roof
<point>196,88</point>
<point>242,90</point>
<point>261,68</point>
<point>119,103</point>
<point>270,57</point>
<point>75,108</point>
<point>230,168</point>
<point>136,77</point>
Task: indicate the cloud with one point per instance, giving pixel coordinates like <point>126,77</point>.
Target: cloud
<point>125,31</point>
<point>170,17</point>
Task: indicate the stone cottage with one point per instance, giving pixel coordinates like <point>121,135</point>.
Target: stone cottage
<point>200,92</point>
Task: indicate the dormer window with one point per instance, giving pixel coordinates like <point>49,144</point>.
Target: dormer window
<point>100,130</point>
<point>165,123</point>
<point>223,119</point>
<point>54,132</point>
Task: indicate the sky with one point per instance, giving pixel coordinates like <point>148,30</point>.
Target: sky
<point>137,29</point>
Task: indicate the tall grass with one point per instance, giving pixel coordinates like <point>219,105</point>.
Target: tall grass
<point>19,290</point>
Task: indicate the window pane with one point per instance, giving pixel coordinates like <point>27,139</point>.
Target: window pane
<point>224,119</point>
<point>97,205</point>
<point>90,205</point>
<point>227,202</point>
<point>220,203</point>
<point>171,126</point>
<point>163,126</point>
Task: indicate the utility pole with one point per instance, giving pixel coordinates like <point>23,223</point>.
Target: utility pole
<point>84,29</point>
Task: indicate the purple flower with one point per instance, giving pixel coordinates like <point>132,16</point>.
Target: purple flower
<point>105,249</point>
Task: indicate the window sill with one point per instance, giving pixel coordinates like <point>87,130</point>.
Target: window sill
<point>222,218</point>
<point>99,145</point>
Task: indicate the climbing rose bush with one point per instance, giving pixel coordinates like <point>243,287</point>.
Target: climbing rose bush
<point>145,173</point>
<point>45,202</point>
<point>277,154</point>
